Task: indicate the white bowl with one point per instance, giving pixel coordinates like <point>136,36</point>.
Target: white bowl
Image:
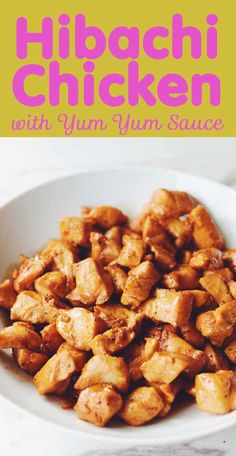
<point>31,219</point>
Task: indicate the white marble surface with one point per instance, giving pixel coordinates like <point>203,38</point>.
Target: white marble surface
<point>28,162</point>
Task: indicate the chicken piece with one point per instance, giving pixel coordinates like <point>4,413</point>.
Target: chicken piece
<point>141,406</point>
<point>217,287</point>
<point>180,229</point>
<point>98,404</point>
<point>185,256</point>
<point>232,288</point>
<point>106,216</point>
<point>153,230</point>
<point>169,306</point>
<point>229,256</point>
<point>20,335</point>
<point>216,393</point>
<point>230,351</point>
<point>52,284</point>
<point>165,260</point>
<point>163,367</point>
<point>51,339</point>
<point>218,324</point>
<point>93,284</point>
<point>28,360</point>
<point>132,252</point>
<point>170,390</point>
<point>104,250</point>
<point>201,299</point>
<point>60,255</point>
<point>139,284</point>
<point>31,307</point>
<point>157,330</point>
<point>225,273</point>
<point>183,278</point>
<point>207,259</point>
<point>136,355</point>
<point>119,277</point>
<point>205,232</point>
<point>172,343</point>
<point>78,327</point>
<point>191,335</point>
<point>7,294</point>
<point>29,271</point>
<point>75,230</point>
<point>104,369</point>
<point>114,234</point>
<point>216,360</point>
<point>112,341</point>
<point>171,204</point>
<point>80,358</point>
<point>55,374</point>
<point>116,315</point>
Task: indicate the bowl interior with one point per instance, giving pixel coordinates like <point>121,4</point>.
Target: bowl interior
<point>29,221</point>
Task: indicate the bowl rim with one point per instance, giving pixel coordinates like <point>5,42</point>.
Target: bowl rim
<point>129,440</point>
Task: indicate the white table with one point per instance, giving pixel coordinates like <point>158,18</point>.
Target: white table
<point>28,162</point>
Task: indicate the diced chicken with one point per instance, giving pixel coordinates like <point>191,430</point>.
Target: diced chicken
<point>28,360</point>
<point>171,204</point>
<point>7,294</point>
<point>232,288</point>
<point>229,257</point>
<point>207,259</point>
<point>104,250</point>
<point>169,306</point>
<point>205,232</point>
<point>183,278</point>
<point>165,259</point>
<point>201,299</point>
<point>216,360</point>
<point>141,406</point>
<point>78,327</point>
<point>217,287</point>
<point>230,351</point>
<point>225,273</point>
<point>30,270</point>
<point>106,216</point>
<point>153,230</point>
<point>118,275</point>
<point>180,229</point>
<point>104,369</point>
<point>136,355</point>
<point>216,393</point>
<point>191,335</point>
<point>114,234</point>
<point>51,339</point>
<point>55,374</point>
<point>115,315</point>
<point>32,308</point>
<point>139,283</point>
<point>93,284</point>
<point>60,255</point>
<point>75,230</point>
<point>218,324</point>
<point>132,252</point>
<point>163,367</point>
<point>80,357</point>
<point>52,284</point>
<point>98,404</point>
<point>20,335</point>
<point>112,341</point>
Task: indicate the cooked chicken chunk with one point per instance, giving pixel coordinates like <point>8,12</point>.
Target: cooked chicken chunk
<point>141,406</point>
<point>118,275</point>
<point>139,283</point>
<point>80,357</point>
<point>98,404</point>
<point>217,287</point>
<point>207,259</point>
<point>216,393</point>
<point>132,252</point>
<point>30,270</point>
<point>115,315</point>
<point>201,298</point>
<point>104,250</point>
<point>104,369</point>
<point>136,355</point>
<point>232,288</point>
<point>32,308</point>
<point>52,284</point>
<point>114,234</point>
<point>169,306</point>
<point>75,230</point>
<point>54,375</point>
<point>106,216</point>
<point>167,204</point>
<point>93,284</point>
<point>153,230</point>
<point>230,258</point>
<point>60,255</point>
<point>112,341</point>
<point>163,367</point>
<point>51,339</point>
<point>218,324</point>
<point>7,294</point>
<point>230,351</point>
<point>20,335</point>
<point>165,259</point>
<point>28,360</point>
<point>216,360</point>
<point>179,229</point>
<point>205,232</point>
<point>225,273</point>
<point>183,278</point>
<point>191,335</point>
<point>78,327</point>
